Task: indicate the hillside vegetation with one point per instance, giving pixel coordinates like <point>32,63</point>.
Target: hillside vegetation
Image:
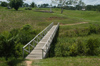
<point>78,34</point>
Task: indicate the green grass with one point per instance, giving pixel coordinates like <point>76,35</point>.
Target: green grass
<point>10,19</point>
<point>68,61</point>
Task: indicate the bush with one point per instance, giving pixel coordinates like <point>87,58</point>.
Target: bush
<point>62,50</point>
<point>92,46</point>
<point>11,43</point>
<point>77,47</point>
<point>81,47</point>
<point>77,32</point>
<point>92,29</point>
<point>28,8</point>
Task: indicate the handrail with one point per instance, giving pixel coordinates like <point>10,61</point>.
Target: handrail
<point>36,38</point>
<point>46,47</point>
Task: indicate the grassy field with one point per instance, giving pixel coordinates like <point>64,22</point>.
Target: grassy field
<point>68,61</point>
<point>10,19</point>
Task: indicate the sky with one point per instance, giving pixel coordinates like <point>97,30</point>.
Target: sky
<point>87,2</point>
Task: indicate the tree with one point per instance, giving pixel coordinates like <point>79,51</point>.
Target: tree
<point>81,4</point>
<point>16,4</point>
<point>63,3</point>
<point>98,8</point>
<point>32,5</point>
<point>25,5</point>
<point>4,4</point>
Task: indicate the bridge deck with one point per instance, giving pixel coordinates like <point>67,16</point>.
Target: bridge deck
<point>37,51</point>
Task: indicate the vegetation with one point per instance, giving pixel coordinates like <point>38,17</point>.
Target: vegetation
<point>28,8</point>
<point>11,43</point>
<point>16,4</point>
<point>4,4</point>
<point>76,38</point>
<point>32,5</point>
<point>68,61</point>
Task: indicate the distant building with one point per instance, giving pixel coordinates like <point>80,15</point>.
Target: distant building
<point>83,9</point>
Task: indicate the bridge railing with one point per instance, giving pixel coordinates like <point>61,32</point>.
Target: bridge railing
<point>36,39</point>
<point>46,47</point>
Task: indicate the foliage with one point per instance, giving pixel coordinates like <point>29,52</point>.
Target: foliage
<point>79,47</point>
<point>16,4</point>
<point>4,4</point>
<point>32,5</point>
<point>92,45</point>
<point>25,5</point>
<point>28,8</point>
<point>12,62</point>
<point>93,29</point>
<point>93,8</point>
<point>11,43</point>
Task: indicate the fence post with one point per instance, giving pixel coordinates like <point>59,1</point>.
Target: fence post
<point>29,48</point>
<point>42,54</point>
<point>46,47</point>
<point>23,52</point>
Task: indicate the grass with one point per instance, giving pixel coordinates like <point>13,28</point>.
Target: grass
<point>68,61</point>
<point>10,19</point>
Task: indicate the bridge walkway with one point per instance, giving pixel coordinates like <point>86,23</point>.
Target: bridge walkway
<point>41,49</point>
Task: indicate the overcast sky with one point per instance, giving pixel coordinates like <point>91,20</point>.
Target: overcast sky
<point>87,2</point>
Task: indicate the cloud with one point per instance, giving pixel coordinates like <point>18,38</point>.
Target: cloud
<point>91,2</point>
<point>87,2</point>
<point>4,0</point>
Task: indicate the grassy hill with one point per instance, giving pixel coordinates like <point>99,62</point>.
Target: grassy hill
<point>75,29</point>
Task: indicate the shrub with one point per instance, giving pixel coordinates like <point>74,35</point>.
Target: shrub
<point>28,8</point>
<point>92,46</point>
<point>92,29</point>
<point>73,50</point>
<point>11,43</point>
<point>81,47</point>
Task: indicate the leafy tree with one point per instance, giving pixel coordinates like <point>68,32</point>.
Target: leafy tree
<point>32,5</point>
<point>16,4</point>
<point>25,5</point>
<point>98,8</point>
<point>81,4</point>
<point>4,4</point>
<point>89,7</point>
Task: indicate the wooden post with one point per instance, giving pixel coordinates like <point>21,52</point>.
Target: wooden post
<point>42,54</point>
<point>29,48</point>
<point>46,47</point>
<point>23,52</point>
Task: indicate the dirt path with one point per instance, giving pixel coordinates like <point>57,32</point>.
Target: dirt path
<point>73,23</point>
<point>28,63</point>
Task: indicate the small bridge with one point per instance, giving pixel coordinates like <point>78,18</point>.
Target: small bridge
<point>40,45</point>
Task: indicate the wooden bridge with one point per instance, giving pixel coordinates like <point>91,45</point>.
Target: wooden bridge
<point>40,45</point>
